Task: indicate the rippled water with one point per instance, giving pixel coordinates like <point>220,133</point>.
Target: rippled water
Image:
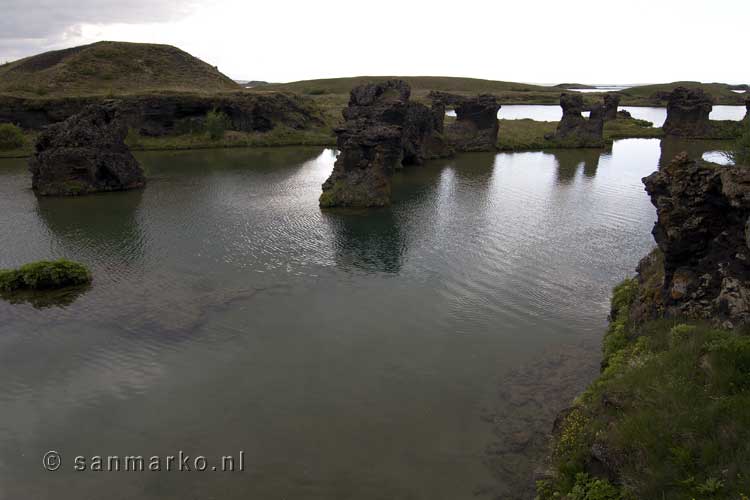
<point>657,116</point>
<point>418,351</point>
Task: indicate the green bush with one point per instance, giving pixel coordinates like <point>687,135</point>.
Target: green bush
<point>11,137</point>
<point>44,275</point>
<point>739,154</point>
<point>217,123</point>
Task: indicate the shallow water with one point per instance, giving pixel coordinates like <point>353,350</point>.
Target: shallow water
<point>418,351</point>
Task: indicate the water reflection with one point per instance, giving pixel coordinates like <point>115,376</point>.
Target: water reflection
<point>569,160</point>
<point>695,149</point>
<point>370,241</point>
<point>106,231</point>
<point>44,299</point>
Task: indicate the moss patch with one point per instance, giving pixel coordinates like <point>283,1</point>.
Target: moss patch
<point>44,275</point>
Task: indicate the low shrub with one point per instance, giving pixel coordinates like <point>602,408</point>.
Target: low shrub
<point>217,123</point>
<point>11,137</point>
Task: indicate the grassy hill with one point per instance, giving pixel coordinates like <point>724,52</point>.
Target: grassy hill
<point>645,94</point>
<point>111,68</point>
<point>418,83</point>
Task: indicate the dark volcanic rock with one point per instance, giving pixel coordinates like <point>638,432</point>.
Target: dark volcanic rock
<point>476,125</point>
<point>687,113</point>
<point>611,102</point>
<point>84,154</point>
<point>574,130</point>
<point>702,233</point>
<point>163,114</point>
<point>383,129</point>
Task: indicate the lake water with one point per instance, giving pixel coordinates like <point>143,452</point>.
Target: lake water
<point>657,116</point>
<point>418,351</point>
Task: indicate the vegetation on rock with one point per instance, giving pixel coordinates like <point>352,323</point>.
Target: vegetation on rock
<point>44,275</point>
<point>667,418</point>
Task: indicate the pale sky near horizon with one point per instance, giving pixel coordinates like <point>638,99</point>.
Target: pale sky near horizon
<point>545,41</point>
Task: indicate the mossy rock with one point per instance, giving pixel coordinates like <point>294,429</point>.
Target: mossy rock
<point>44,275</point>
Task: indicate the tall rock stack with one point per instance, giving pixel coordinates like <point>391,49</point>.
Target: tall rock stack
<point>703,235</point>
<point>611,102</point>
<point>688,113</point>
<point>574,130</point>
<point>382,131</point>
<point>85,154</point>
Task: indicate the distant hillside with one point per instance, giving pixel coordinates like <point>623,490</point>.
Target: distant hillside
<point>418,83</point>
<point>721,92</point>
<point>508,92</point>
<point>111,68</point>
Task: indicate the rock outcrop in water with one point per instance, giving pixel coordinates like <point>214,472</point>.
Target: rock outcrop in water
<point>611,102</point>
<point>702,267</point>
<point>688,113</point>
<point>84,154</point>
<point>382,131</point>
<point>574,130</point>
<point>476,125</point>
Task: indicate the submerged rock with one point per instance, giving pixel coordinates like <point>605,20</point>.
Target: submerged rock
<point>382,131</point>
<point>85,154</point>
<point>688,113</point>
<point>574,130</point>
<point>611,102</point>
<point>702,270</point>
<point>476,125</point>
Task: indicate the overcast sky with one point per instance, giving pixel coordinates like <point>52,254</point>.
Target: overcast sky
<point>546,41</point>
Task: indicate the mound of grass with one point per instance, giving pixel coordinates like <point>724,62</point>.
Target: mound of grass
<point>111,68</point>
<point>668,418</point>
<point>44,275</point>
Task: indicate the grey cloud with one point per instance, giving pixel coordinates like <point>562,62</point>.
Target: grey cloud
<point>27,27</point>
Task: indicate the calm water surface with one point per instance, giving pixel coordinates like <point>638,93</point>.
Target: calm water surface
<point>657,116</point>
<point>419,351</point>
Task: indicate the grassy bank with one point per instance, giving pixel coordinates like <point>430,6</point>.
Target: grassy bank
<point>279,136</point>
<point>520,135</point>
<point>515,135</point>
<point>668,418</point>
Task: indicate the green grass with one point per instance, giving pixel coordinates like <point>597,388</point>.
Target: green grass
<point>670,413</point>
<point>514,135</point>
<point>111,68</point>
<point>279,136</point>
<point>520,135</point>
<point>44,275</point>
